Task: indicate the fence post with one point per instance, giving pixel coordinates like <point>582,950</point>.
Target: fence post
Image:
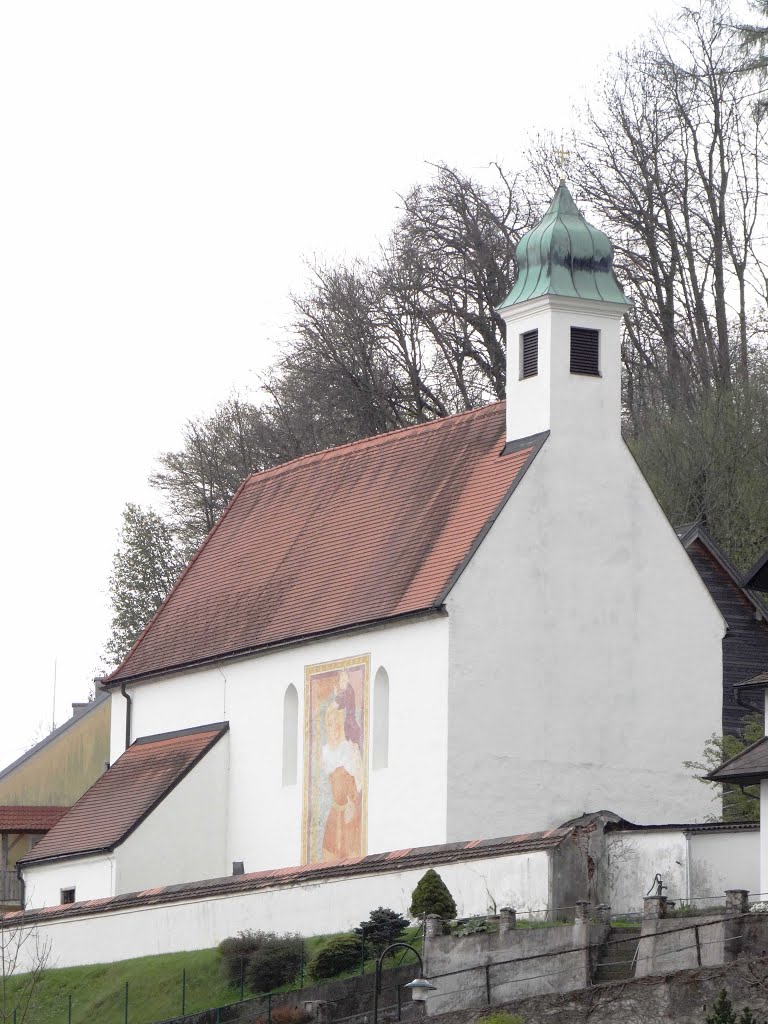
<point>242,977</point>
<point>69,1010</point>
<point>269,1008</point>
<point>126,1002</point>
<point>183,991</point>
<point>698,945</point>
<point>488,983</point>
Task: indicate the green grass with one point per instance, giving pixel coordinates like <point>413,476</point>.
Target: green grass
<point>154,988</point>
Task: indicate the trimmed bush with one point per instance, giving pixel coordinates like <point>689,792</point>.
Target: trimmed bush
<point>235,952</point>
<point>432,896</point>
<point>276,962</point>
<point>341,953</point>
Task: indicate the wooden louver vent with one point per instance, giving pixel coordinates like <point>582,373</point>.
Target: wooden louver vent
<point>585,351</point>
<point>529,343</point>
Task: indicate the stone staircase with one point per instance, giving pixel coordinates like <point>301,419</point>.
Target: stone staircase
<point>616,956</point>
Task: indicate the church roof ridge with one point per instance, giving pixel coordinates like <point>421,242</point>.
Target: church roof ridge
<point>332,541</point>
<point>372,440</point>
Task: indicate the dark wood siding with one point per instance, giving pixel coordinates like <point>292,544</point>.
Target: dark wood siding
<point>745,645</point>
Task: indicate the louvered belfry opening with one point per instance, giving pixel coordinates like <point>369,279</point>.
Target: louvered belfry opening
<point>529,354</point>
<point>585,351</point>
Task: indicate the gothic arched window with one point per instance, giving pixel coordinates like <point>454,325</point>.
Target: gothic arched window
<point>380,755</point>
<point>290,735</point>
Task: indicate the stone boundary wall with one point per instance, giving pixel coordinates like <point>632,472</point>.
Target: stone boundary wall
<point>681,998</point>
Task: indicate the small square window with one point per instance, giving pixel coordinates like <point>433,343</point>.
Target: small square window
<point>529,354</point>
<point>585,351</point>
<point>67,895</point>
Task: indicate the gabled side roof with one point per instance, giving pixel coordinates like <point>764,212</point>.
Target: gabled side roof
<point>695,531</point>
<point>746,768</point>
<point>353,536</point>
<point>757,577</point>
<point>126,793</point>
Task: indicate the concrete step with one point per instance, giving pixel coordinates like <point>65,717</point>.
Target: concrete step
<point>616,955</point>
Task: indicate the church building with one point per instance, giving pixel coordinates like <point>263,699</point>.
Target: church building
<point>476,627</point>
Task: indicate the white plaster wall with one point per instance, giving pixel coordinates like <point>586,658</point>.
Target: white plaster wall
<point>585,652</point>
<point>696,866</point>
<point>632,859</point>
<point>579,406</point>
<point>91,878</point>
<point>332,906</point>
<point>724,860</point>
<point>406,800</point>
<point>184,839</point>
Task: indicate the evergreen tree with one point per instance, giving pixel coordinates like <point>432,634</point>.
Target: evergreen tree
<point>432,896</point>
<point>723,1012</point>
<point>383,927</point>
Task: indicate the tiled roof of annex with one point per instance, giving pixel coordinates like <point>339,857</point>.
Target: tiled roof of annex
<point>306,874</point>
<point>28,818</point>
<point>357,534</point>
<point>126,793</point>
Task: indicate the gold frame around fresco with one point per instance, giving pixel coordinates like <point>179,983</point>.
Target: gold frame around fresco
<point>316,669</point>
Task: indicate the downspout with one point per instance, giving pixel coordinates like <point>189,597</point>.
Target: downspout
<point>128,714</point>
<point>688,893</point>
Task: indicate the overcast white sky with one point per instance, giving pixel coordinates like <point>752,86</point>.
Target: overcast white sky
<point>165,166</point>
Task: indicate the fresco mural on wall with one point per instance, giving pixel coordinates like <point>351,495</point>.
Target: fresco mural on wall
<point>336,760</point>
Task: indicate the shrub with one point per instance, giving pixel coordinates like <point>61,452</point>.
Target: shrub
<point>276,962</point>
<point>432,896</point>
<point>235,952</point>
<point>340,953</point>
<point>382,927</point>
<point>501,1018</point>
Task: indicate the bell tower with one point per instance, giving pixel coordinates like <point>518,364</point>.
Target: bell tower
<point>563,340</point>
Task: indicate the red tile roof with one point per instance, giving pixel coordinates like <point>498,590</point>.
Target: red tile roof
<point>310,874</point>
<point>360,533</point>
<point>126,793</point>
<point>29,819</point>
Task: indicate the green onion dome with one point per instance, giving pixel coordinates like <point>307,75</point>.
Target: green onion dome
<point>563,255</point>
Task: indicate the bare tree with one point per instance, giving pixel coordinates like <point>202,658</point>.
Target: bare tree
<point>671,159</point>
<point>24,958</point>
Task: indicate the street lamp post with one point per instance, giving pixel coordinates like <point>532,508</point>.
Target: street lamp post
<point>419,987</point>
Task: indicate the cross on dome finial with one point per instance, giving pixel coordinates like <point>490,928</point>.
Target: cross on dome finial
<point>563,156</point>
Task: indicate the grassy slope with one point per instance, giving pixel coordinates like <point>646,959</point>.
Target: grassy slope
<point>154,989</point>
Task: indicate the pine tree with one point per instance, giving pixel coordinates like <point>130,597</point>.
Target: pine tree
<point>432,896</point>
<point>723,1012</point>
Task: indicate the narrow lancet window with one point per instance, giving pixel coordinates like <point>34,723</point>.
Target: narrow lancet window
<point>290,736</point>
<point>380,755</point>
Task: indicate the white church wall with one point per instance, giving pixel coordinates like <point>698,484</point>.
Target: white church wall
<point>585,653</point>
<point>331,906</point>
<point>184,838</point>
<point>91,878</point>
<point>265,816</point>
<point>721,861</point>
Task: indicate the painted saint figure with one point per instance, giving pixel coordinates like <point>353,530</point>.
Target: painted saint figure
<point>343,764</point>
<point>345,698</point>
